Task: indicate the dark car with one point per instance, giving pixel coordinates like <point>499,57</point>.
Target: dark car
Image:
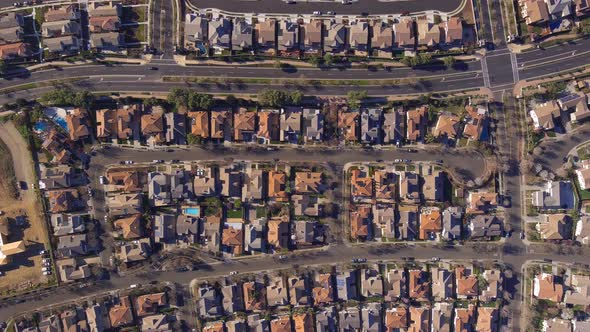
<point>153,68</point>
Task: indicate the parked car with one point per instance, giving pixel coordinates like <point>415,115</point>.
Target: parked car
<point>233,273</point>
<point>128,162</point>
<point>46,273</point>
<point>42,252</point>
<point>45,269</point>
<point>102,180</point>
<point>317,12</point>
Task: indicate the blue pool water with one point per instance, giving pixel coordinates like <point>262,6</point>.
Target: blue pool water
<point>61,122</point>
<point>192,211</point>
<point>41,126</point>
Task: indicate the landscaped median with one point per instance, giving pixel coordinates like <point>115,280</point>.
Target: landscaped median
<point>41,84</point>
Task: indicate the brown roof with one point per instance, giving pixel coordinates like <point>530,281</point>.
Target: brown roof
<point>464,318</point>
<point>535,11</point>
<point>120,314</point>
<point>415,119</point>
<point>382,36</point>
<point>396,318</point>
<point>312,32</point>
<point>486,318</point>
<point>234,239</point>
<point>428,33</point>
<point>467,285</point>
<point>106,124</point>
<point>268,125</point>
<point>131,226</point>
<point>281,324</point>
<point>214,327</point>
<point>62,200</point>
<point>266,32</point>
<point>430,222</point>
<point>324,293</point>
<point>308,182</point>
<point>244,121</point>
<point>474,127</point>
<point>480,202</point>
<point>404,33</point>
<point>349,123</point>
<point>8,51</point>
<point>128,180</point>
<point>276,185</point>
<point>454,31</point>
<point>446,126</point>
<point>77,124</point>
<point>148,304</point>
<point>303,322</point>
<point>278,233</point>
<point>199,123</point>
<point>218,123</point>
<point>418,284</point>
<point>153,125</point>
<point>127,118</point>
<point>362,184</point>
<point>385,184</point>
<point>60,14</point>
<point>419,319</point>
<point>546,287</point>
<point>360,221</point>
<point>254,296</point>
<point>103,23</point>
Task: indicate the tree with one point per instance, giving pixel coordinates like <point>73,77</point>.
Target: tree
<point>231,100</point>
<point>315,60</point>
<point>192,139</point>
<point>449,61</point>
<point>272,98</point>
<point>3,67</point>
<point>200,101</point>
<point>179,97</point>
<point>355,98</point>
<point>328,59</point>
<point>296,97</point>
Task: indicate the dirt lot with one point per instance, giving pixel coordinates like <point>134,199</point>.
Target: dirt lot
<point>24,270</point>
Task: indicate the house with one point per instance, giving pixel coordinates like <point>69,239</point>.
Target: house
<point>447,127</point>
<point>443,284</point>
<point>244,125</point>
<point>311,36</point>
<point>384,221</point>
<point>475,122</point>
<point>335,38</point>
<point>187,229</point>
<point>481,202</point>
<point>103,24</point>
<point>288,37</point>
<point>217,326</point>
<point>487,319</point>
<point>430,34</point>
<point>221,125</point>
<point>125,204</point>
<point>416,124</point>
<point>121,314</point>
<point>59,177</point>
<point>124,181</point>
<point>159,186</point>
<point>175,128</point>
<point>408,222</point>
<point>465,318</point>
<point>67,12</point>
<point>382,40</point>
<point>307,233</point>
<point>281,324</point>
<point>254,296</point>
<point>433,189</point>
<point>232,239</point>
<point>404,34</point>
<point>555,227</point>
<point>313,125</point>
<point>69,270</point>
<point>290,125</point>
<point>308,182</point>
<point>361,184</point>
<point>96,318</point>
<point>560,9</point>
<point>385,185</point>
<point>583,175</point>
<point>582,7</point>
<point>452,219</point>
<point>346,285</point>
<point>15,50</point>
<point>485,226</point>
<point>58,29</point>
<point>350,320</point>
<point>393,127</point>
<point>164,229</point>
<point>557,325</point>
<point>258,324</point>
<point>419,319</point>
<point>100,9</point>
<point>204,182</point>
<point>135,251</point>
<point>396,319</point>
<point>371,282</point>
<point>230,177</point>
<point>361,223</point>
<point>548,287</point>
<point>358,38</point>
<point>409,187</point>
<point>181,187</point>
<point>348,125</point>
<point>298,290</point>
<point>195,32</point>
<point>558,195</point>
<point>11,35</point>
<point>395,284</point>
<point>580,111</point>
<point>106,127</point>
<point>128,122</point>
<point>467,283</point>
<point>579,291</point>
<point>199,122</point>
<point>545,113</point>
<point>11,19</point>
<point>533,11</point>
<point>265,35</point>
<point>254,180</point>
<point>493,289</point>
<point>152,128</point>
<point>441,315</point>
<point>371,126</point>
<point>233,298</point>
<point>303,321</point>
<point>430,223</point>
<point>276,292</point>
<point>155,323</point>
<point>64,200</point>
<point>211,231</point>
<point>278,236</point>
<point>254,236</point>
<point>241,36</point>
<point>108,42</point>
<point>324,291</point>
<point>268,126</point>
<point>453,31</point>
<point>78,124</point>
<point>306,205</point>
<point>325,319</point>
<point>371,317</point>
<point>149,304</point>
<point>208,302</point>
<point>130,226</point>
<point>219,35</point>
<point>418,285</point>
<point>582,231</point>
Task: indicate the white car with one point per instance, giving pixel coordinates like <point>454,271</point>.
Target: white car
<point>45,269</point>
<point>317,12</point>
<point>233,273</point>
<point>102,180</point>
<point>46,273</point>
<point>128,162</point>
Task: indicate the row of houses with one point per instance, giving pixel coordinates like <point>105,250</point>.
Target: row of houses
<point>221,35</point>
<point>384,289</point>
<point>555,114</point>
<point>12,37</point>
<point>544,17</point>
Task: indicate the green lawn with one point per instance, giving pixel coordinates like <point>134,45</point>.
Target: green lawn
<point>235,213</point>
<point>261,212</point>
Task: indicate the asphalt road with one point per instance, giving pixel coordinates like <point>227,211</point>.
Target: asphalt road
<point>163,28</point>
<point>373,7</point>
<point>551,152</point>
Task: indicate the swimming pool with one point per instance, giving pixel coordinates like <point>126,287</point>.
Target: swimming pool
<point>192,211</point>
<point>57,115</point>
